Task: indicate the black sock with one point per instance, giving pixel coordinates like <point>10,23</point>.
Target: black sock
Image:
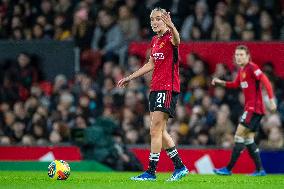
<point>173,154</point>
<point>238,148</point>
<point>254,154</point>
<point>153,162</point>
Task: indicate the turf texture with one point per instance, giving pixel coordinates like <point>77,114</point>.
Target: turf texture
<point>116,180</point>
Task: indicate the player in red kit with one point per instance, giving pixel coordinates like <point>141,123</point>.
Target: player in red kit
<point>165,87</point>
<point>250,78</point>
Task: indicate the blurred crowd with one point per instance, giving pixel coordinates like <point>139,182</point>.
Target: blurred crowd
<point>34,112</point>
<point>196,19</point>
<point>37,112</point>
<point>107,26</point>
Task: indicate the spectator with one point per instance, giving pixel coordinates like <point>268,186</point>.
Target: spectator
<point>128,24</point>
<point>30,116</point>
<point>108,38</point>
<point>27,72</point>
<point>223,128</point>
<point>200,18</point>
<point>222,31</point>
<point>82,29</point>
<point>275,139</point>
<point>267,32</point>
<point>239,26</point>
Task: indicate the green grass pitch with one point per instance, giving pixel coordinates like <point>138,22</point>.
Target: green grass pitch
<point>116,180</point>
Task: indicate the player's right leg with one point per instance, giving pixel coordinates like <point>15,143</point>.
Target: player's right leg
<point>158,122</point>
<point>238,148</point>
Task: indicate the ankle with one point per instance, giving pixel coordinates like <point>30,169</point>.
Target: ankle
<point>150,172</point>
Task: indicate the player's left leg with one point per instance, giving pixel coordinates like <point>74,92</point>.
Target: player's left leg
<point>254,154</point>
<point>168,143</point>
<point>169,146</point>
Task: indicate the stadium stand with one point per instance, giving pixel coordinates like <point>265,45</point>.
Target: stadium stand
<point>35,111</point>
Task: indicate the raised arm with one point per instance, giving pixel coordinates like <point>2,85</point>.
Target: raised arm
<point>149,66</point>
<point>175,40</point>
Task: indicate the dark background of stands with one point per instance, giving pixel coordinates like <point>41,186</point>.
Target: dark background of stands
<point>44,100</point>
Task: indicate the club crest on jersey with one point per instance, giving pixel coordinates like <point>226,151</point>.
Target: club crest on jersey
<point>243,75</point>
<point>162,45</point>
<point>158,56</point>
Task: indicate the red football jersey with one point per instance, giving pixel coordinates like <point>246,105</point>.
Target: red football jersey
<point>166,60</point>
<point>248,79</point>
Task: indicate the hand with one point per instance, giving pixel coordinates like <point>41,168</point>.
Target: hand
<point>167,19</point>
<point>123,82</point>
<point>273,106</point>
<point>216,81</point>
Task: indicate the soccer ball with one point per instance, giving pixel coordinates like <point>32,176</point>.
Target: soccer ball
<point>58,170</point>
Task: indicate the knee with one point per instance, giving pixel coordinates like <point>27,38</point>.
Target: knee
<point>239,144</point>
<point>156,129</point>
<point>155,132</point>
<point>165,134</point>
<point>249,141</point>
<point>240,134</point>
<point>239,139</point>
<point>157,123</point>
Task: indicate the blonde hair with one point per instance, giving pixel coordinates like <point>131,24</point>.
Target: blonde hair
<point>159,9</point>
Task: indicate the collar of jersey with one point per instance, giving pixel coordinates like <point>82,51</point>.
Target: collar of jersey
<point>164,34</point>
